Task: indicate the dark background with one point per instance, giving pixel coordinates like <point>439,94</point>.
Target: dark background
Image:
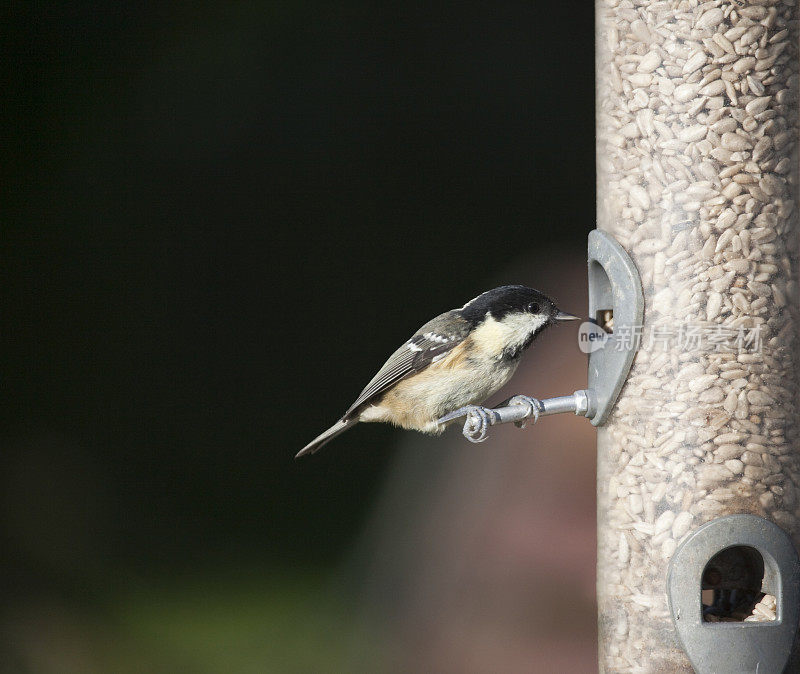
<point>219,221</point>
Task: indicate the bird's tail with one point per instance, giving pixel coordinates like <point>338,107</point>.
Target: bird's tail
<point>339,427</point>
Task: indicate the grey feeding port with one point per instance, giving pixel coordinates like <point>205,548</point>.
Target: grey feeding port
<point>615,293</point>
<point>739,558</point>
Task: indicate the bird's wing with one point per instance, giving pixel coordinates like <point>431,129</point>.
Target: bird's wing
<point>430,342</point>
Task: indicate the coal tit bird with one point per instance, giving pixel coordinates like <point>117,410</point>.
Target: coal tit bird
<point>459,358</point>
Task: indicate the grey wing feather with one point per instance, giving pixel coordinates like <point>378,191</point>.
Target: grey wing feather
<point>432,340</point>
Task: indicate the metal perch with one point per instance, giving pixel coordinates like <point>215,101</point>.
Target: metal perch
<point>517,410</point>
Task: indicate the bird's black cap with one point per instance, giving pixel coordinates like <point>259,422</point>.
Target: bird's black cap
<point>500,302</point>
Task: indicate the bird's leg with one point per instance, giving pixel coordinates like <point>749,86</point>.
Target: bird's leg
<point>478,418</point>
<point>476,425</point>
<point>477,422</point>
<point>534,405</point>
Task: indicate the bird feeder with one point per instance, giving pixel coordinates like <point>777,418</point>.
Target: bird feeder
<point>699,460</point>
<point>694,365</point>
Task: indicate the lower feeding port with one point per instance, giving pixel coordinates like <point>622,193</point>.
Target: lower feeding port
<point>734,595</point>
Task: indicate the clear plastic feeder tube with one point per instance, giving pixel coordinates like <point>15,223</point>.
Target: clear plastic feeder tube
<point>697,176</point>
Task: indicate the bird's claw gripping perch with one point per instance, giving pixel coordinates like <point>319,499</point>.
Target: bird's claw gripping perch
<point>477,422</point>
<point>534,406</point>
<point>476,425</point>
<point>478,419</point>
<point>516,410</point>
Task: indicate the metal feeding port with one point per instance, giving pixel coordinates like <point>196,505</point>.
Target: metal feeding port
<point>616,306</point>
<point>718,579</point>
<point>615,299</point>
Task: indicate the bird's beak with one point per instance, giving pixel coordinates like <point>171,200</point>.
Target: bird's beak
<point>564,316</point>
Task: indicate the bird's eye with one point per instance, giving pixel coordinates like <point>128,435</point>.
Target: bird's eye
<point>533,307</point>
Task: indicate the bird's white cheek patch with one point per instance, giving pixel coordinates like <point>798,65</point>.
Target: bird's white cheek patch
<point>493,336</point>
